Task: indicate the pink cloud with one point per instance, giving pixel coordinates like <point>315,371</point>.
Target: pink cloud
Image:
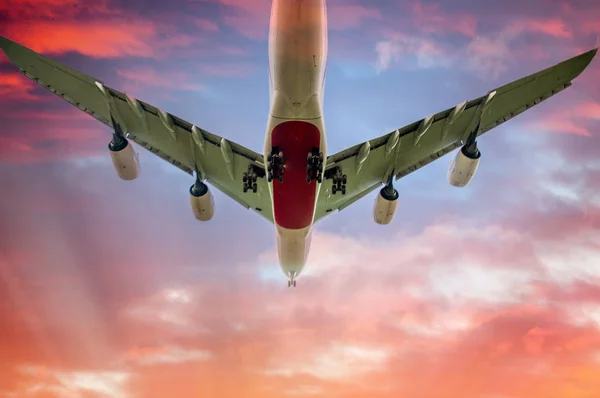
<point>574,119</point>
<point>553,27</point>
<point>343,17</point>
<point>432,19</point>
<point>138,77</point>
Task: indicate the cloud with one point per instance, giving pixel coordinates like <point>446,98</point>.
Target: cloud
<point>429,41</point>
<point>465,290</point>
<point>148,355</point>
<point>492,55</point>
<point>78,384</point>
<point>338,362</point>
<point>574,119</point>
<point>431,18</point>
<point>349,16</point>
<point>16,87</point>
<point>100,30</point>
<point>103,39</point>
<point>427,52</point>
<point>135,78</point>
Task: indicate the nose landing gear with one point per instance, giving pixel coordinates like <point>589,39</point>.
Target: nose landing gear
<point>292,279</point>
<point>275,165</point>
<point>314,166</point>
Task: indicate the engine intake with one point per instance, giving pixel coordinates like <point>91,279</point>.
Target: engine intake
<point>386,204</point>
<point>202,201</point>
<point>463,167</point>
<point>124,159</point>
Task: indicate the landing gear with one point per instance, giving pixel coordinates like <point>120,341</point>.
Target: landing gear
<point>275,165</point>
<point>249,179</point>
<point>314,166</point>
<point>339,182</point>
<point>292,279</point>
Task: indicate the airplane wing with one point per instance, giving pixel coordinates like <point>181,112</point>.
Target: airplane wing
<point>175,140</point>
<point>373,163</point>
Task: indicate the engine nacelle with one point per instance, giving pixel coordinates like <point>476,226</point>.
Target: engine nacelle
<point>463,168</point>
<point>124,160</point>
<point>385,206</point>
<point>202,202</point>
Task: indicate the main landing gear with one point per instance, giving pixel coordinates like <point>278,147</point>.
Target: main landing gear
<point>275,165</point>
<point>249,180</point>
<point>339,182</point>
<point>314,166</point>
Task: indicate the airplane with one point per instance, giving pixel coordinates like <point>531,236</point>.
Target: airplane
<point>294,183</point>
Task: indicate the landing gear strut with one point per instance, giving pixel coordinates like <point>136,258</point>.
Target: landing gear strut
<point>249,179</point>
<point>275,164</point>
<point>339,182</point>
<point>314,166</point>
<point>118,142</point>
<point>470,148</point>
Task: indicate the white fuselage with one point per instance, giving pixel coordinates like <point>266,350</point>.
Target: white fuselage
<point>297,63</point>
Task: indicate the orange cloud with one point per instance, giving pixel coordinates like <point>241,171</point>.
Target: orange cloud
<point>14,86</point>
<point>98,38</point>
<point>99,30</point>
<point>396,318</point>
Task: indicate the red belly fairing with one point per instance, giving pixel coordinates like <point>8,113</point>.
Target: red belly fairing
<point>294,198</point>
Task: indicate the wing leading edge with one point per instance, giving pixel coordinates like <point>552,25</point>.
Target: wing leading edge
<point>373,163</point>
<point>190,148</point>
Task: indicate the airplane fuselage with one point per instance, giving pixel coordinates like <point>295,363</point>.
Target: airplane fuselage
<point>295,127</point>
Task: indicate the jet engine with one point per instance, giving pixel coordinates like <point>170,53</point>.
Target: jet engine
<point>463,167</point>
<point>385,205</point>
<point>124,159</point>
<point>202,201</point>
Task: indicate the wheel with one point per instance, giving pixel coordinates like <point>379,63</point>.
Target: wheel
<point>244,177</point>
<point>344,179</point>
<point>334,189</point>
<point>343,189</point>
<point>245,188</point>
<point>254,187</point>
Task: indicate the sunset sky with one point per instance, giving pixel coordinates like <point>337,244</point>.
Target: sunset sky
<point>110,288</point>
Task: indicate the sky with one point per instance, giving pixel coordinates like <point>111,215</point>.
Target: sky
<point>111,288</point>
